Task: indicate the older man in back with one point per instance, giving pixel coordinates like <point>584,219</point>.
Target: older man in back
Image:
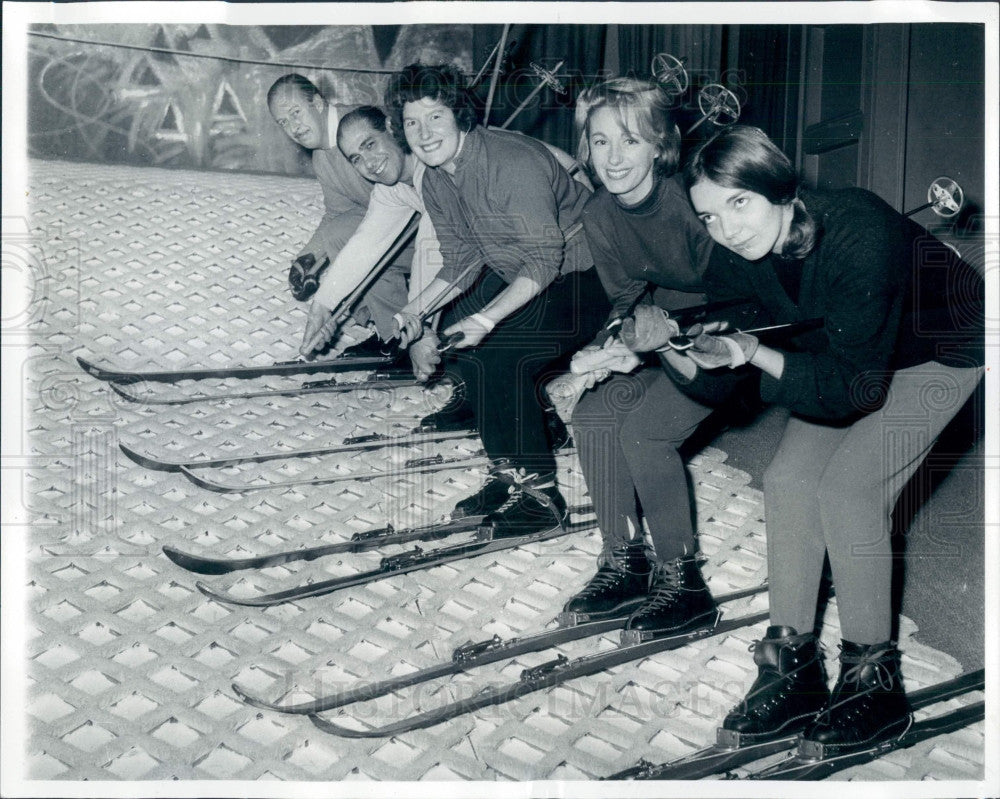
<point>308,119</point>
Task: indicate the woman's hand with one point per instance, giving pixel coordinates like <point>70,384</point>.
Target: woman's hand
<point>424,356</point>
<point>409,328</point>
<point>613,356</point>
<point>649,328</point>
<point>474,328</point>
<point>713,351</point>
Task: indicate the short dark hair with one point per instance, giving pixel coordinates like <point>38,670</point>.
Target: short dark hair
<point>441,82</point>
<point>647,104</point>
<point>743,157</point>
<point>293,82</point>
<point>374,117</point>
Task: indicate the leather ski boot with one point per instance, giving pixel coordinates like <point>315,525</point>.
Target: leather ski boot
<point>458,414</point>
<point>679,601</point>
<point>868,703</point>
<point>500,483</point>
<point>620,585</point>
<point>534,506</point>
<point>789,691</point>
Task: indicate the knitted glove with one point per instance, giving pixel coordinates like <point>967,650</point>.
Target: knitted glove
<point>649,328</point>
<point>715,351</point>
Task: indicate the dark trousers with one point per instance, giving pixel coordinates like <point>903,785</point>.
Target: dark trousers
<point>628,431</point>
<point>504,374</point>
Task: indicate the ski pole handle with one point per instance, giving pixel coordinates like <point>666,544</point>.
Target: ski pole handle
<point>685,341</point>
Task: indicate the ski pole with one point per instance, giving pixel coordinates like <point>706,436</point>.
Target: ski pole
<point>546,78</point>
<point>496,75</point>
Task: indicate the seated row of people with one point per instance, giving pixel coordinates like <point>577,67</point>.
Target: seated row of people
<point>527,267</point>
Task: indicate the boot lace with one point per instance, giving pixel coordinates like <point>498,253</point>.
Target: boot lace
<point>666,587</point>
<point>605,578</point>
<point>876,658</point>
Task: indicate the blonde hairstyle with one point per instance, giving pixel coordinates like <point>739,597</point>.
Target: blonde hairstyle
<point>644,103</point>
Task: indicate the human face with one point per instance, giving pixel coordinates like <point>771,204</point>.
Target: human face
<point>741,220</point>
<point>304,121</point>
<point>374,153</point>
<point>432,132</point>
<point>622,160</point>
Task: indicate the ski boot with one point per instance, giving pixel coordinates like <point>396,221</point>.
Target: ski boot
<point>500,483</point>
<point>534,506</point>
<point>679,601</point>
<point>789,691</point>
<point>868,704</point>
<point>619,587</point>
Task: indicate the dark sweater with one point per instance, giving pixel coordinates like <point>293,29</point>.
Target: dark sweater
<point>891,297</point>
<point>659,241</point>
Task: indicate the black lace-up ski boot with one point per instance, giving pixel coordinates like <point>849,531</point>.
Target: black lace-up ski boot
<point>868,704</point>
<point>789,691</point>
<point>534,506</point>
<point>452,417</point>
<point>679,601</point>
<point>500,483</point>
<point>619,587</point>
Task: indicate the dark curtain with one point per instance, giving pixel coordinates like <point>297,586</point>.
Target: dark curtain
<point>702,48</point>
<point>769,71</point>
<point>549,116</point>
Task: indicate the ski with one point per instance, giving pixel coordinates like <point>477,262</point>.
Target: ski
<point>352,444</point>
<point>812,763</point>
<point>469,656</point>
<point>728,754</point>
<point>546,675</point>
<point>359,542</point>
<point>433,463</point>
<point>301,367</point>
<point>405,562</point>
<point>375,380</point>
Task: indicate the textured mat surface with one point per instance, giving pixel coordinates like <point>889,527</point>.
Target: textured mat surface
<point>130,667</point>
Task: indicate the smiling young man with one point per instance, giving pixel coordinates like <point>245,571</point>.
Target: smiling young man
<point>364,137</point>
<point>306,117</point>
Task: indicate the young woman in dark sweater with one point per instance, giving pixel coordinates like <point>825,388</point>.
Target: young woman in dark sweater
<point>899,353</point>
<point>648,247</point>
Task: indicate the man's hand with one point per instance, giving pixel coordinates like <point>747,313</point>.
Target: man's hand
<point>710,350</point>
<point>320,328</point>
<point>649,328</point>
<point>305,272</point>
<point>409,328</point>
<point>424,355</point>
<point>474,329</point>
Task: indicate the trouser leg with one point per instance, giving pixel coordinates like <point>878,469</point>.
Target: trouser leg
<point>650,437</point>
<point>832,490</point>
<point>520,352</point>
<point>863,479</point>
<point>627,432</point>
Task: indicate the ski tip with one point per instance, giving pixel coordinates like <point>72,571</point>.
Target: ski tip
<point>90,369</point>
<point>250,699</point>
<point>193,563</point>
<point>208,485</point>
<point>146,462</point>
<point>341,732</point>
<point>125,395</point>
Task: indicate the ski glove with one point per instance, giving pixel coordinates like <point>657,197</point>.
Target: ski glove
<point>715,351</point>
<point>649,328</point>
